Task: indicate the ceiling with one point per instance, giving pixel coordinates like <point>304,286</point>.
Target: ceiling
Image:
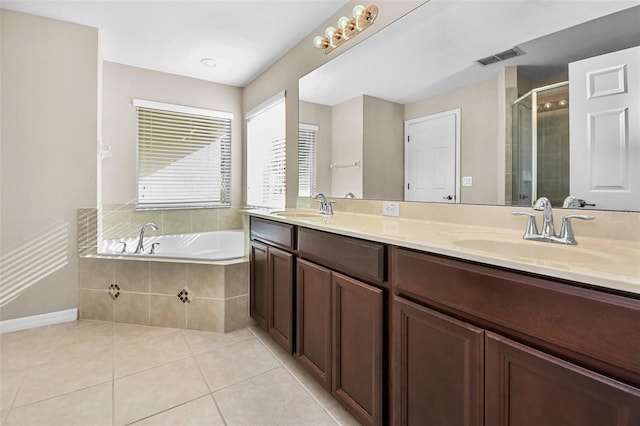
<point>243,37</point>
<point>433,49</point>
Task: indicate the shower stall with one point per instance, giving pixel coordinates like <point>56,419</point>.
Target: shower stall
<point>540,145</point>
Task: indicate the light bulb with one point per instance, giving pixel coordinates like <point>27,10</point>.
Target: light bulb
<point>358,11</point>
<point>343,22</point>
<point>329,32</point>
<point>318,41</point>
<point>562,102</point>
<point>548,105</point>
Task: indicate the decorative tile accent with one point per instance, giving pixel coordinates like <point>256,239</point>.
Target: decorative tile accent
<point>114,291</point>
<point>186,295</point>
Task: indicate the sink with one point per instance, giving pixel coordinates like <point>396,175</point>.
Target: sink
<point>535,250</point>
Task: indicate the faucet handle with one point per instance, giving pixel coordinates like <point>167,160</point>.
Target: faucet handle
<point>329,207</point>
<point>566,230</point>
<point>153,248</point>
<point>532,227</point>
<point>124,246</point>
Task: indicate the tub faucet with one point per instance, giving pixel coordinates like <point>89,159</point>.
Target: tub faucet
<point>140,247</point>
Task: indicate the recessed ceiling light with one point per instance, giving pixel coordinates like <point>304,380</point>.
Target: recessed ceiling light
<point>208,62</point>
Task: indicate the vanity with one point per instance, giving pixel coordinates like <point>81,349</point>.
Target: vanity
<point>412,322</point>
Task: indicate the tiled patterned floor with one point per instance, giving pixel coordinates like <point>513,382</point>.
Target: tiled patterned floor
<point>100,373</point>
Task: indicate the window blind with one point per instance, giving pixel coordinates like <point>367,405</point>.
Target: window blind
<point>184,156</point>
<point>307,135</point>
<point>266,154</point>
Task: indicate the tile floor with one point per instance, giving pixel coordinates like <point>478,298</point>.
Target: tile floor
<point>101,373</point>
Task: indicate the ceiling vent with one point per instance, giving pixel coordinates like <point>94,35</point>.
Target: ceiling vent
<point>507,54</point>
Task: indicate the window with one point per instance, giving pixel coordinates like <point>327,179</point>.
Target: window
<point>307,135</point>
<point>184,156</point>
<point>266,154</point>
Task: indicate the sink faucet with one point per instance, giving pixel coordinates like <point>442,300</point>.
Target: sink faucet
<point>548,233</point>
<point>326,207</point>
<point>543,204</point>
<point>140,247</point>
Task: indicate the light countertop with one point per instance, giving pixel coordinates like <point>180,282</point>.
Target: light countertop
<point>604,263</point>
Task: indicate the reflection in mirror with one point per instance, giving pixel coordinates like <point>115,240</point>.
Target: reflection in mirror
<point>517,121</point>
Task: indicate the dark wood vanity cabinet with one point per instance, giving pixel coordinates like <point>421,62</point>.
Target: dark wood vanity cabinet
<point>272,279</point>
<point>473,345</point>
<point>527,387</point>
<point>437,366</point>
<point>340,330</point>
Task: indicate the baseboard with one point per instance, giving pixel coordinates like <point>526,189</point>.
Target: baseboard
<point>32,321</point>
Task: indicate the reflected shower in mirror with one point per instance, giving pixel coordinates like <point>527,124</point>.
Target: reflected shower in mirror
<point>511,140</point>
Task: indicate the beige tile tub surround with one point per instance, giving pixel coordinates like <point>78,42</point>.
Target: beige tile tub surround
<point>123,220</point>
<point>106,373</point>
<point>147,293</point>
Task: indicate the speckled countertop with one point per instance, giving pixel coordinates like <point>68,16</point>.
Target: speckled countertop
<point>604,263</point>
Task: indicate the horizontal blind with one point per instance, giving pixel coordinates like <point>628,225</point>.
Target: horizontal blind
<point>184,158</point>
<point>266,156</point>
<point>307,135</point>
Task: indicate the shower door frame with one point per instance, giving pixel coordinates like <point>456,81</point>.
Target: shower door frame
<point>534,131</point>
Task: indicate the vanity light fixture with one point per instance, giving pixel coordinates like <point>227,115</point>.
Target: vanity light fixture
<point>347,28</point>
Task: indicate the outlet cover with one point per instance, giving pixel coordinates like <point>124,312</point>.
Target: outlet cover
<point>467,181</point>
<point>390,209</point>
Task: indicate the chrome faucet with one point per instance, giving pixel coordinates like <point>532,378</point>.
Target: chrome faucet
<point>350,195</point>
<point>140,247</point>
<point>326,207</point>
<point>548,233</point>
<point>543,204</point>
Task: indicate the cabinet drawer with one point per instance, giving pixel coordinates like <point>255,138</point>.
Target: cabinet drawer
<point>589,327</point>
<point>359,258</point>
<point>275,233</point>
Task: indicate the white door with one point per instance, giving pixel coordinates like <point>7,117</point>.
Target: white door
<point>432,158</point>
<point>604,117</point>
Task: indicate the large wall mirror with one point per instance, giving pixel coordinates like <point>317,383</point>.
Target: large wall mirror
<point>484,102</point>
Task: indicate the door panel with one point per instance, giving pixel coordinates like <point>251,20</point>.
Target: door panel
<point>314,320</point>
<point>281,267</point>
<point>357,347</point>
<point>605,132</point>
<point>259,283</point>
<point>431,158</point>
<point>525,387</point>
<point>437,368</point>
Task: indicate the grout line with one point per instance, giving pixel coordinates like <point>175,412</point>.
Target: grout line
<point>297,379</point>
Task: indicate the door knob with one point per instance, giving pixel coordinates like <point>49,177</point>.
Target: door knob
<point>448,197</point>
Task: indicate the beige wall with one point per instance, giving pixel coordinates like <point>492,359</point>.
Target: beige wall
<point>49,125</point>
<point>383,149</point>
<point>347,147</point>
<point>479,136</point>
<point>302,59</point>
<point>122,83</point>
<point>320,115</point>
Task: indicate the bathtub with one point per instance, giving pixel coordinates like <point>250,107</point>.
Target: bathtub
<point>204,246</point>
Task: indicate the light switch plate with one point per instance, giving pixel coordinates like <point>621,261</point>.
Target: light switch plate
<point>390,208</point>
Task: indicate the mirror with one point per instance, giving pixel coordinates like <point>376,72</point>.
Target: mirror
<point>366,100</point>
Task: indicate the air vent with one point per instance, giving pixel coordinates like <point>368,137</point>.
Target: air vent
<point>507,54</point>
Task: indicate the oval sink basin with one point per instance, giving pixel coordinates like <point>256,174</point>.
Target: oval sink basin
<point>534,250</point>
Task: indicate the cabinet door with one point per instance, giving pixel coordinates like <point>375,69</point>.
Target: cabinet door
<point>525,387</point>
<point>357,348</point>
<point>259,284</point>
<point>314,320</point>
<point>437,368</point>
<point>280,295</point>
